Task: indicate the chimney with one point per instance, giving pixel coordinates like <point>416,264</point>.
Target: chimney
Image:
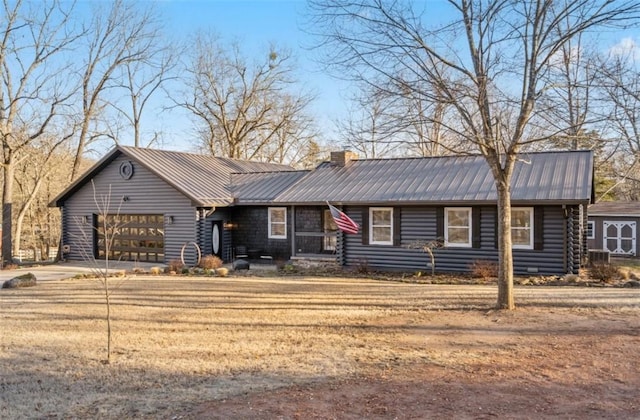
<point>343,157</point>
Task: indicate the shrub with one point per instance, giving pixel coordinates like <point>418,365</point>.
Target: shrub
<point>155,270</point>
<point>210,262</point>
<point>185,270</point>
<point>604,272</point>
<point>484,269</point>
<point>222,271</point>
<point>174,266</point>
<point>571,278</point>
<point>363,266</point>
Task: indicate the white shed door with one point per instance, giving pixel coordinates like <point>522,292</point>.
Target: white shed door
<point>620,237</point>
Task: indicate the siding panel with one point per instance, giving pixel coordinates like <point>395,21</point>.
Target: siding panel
<point>146,194</point>
<point>419,223</point>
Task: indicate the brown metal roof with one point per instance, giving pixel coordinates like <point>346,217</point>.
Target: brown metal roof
<point>203,179</point>
<point>546,176</point>
<point>615,208</point>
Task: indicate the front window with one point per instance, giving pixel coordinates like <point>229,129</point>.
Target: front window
<point>457,231</point>
<point>330,227</point>
<point>277,223</point>
<point>381,226</point>
<point>522,227</point>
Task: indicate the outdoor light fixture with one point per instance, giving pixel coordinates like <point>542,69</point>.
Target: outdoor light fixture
<point>168,220</point>
<point>229,225</point>
<point>85,220</point>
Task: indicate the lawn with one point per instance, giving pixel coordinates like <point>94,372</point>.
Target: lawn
<point>189,347</point>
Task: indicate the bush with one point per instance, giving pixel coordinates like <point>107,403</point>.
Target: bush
<point>363,266</point>
<point>605,272</point>
<point>210,262</point>
<point>155,270</point>
<point>484,269</point>
<point>174,266</point>
<point>222,271</point>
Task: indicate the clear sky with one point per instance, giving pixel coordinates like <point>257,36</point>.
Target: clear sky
<point>256,24</point>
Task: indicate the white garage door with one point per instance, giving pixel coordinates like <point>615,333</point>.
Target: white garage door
<point>620,237</point>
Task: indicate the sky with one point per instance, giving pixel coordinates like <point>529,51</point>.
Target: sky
<point>258,23</point>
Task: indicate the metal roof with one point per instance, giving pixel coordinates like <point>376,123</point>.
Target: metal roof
<point>254,188</point>
<point>615,208</point>
<point>560,177</point>
<point>203,179</point>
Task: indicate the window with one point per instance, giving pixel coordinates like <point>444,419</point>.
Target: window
<point>522,227</point>
<point>329,241</point>
<point>381,225</point>
<point>457,221</point>
<point>591,230</point>
<point>277,223</point>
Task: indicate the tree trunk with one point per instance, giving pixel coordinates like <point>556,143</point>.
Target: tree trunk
<point>505,266</point>
<point>7,204</point>
<point>77,161</point>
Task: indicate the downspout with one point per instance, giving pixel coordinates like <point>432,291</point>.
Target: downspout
<point>565,213</point>
<point>293,231</point>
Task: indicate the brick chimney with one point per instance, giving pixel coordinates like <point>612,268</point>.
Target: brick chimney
<point>342,157</point>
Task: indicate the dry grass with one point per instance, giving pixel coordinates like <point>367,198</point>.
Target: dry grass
<point>179,341</point>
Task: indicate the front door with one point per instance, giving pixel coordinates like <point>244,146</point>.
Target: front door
<point>216,239</point>
<point>620,237</point>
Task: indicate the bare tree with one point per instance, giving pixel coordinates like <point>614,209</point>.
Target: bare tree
<point>242,108</point>
<point>143,80</point>
<point>428,247</point>
<point>120,36</point>
<point>488,64</point>
<point>295,135</point>
<point>620,79</point>
<point>372,125</point>
<point>106,229</point>
<point>35,87</point>
<point>42,158</point>
<point>39,178</point>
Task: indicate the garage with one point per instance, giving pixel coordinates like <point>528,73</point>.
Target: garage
<point>134,237</point>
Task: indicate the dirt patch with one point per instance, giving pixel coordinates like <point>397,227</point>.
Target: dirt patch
<point>317,348</point>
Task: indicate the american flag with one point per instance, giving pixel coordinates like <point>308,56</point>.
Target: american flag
<point>343,221</point>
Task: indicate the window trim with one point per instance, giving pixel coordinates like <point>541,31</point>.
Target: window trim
<point>530,228</point>
<point>469,242</point>
<point>270,222</point>
<point>371,226</point>
<point>591,231</point>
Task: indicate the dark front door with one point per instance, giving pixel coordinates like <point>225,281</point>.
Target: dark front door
<point>216,239</point>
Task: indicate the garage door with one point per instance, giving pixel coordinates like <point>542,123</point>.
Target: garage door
<point>131,237</point>
<point>620,237</point>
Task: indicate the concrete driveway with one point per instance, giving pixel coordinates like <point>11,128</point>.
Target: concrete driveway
<point>69,269</point>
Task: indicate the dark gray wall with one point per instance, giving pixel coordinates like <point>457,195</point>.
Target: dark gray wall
<point>419,223</point>
<point>252,232</point>
<point>147,194</point>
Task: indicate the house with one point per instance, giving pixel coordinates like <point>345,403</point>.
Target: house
<point>613,227</point>
<point>170,201</point>
<point>165,200</point>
